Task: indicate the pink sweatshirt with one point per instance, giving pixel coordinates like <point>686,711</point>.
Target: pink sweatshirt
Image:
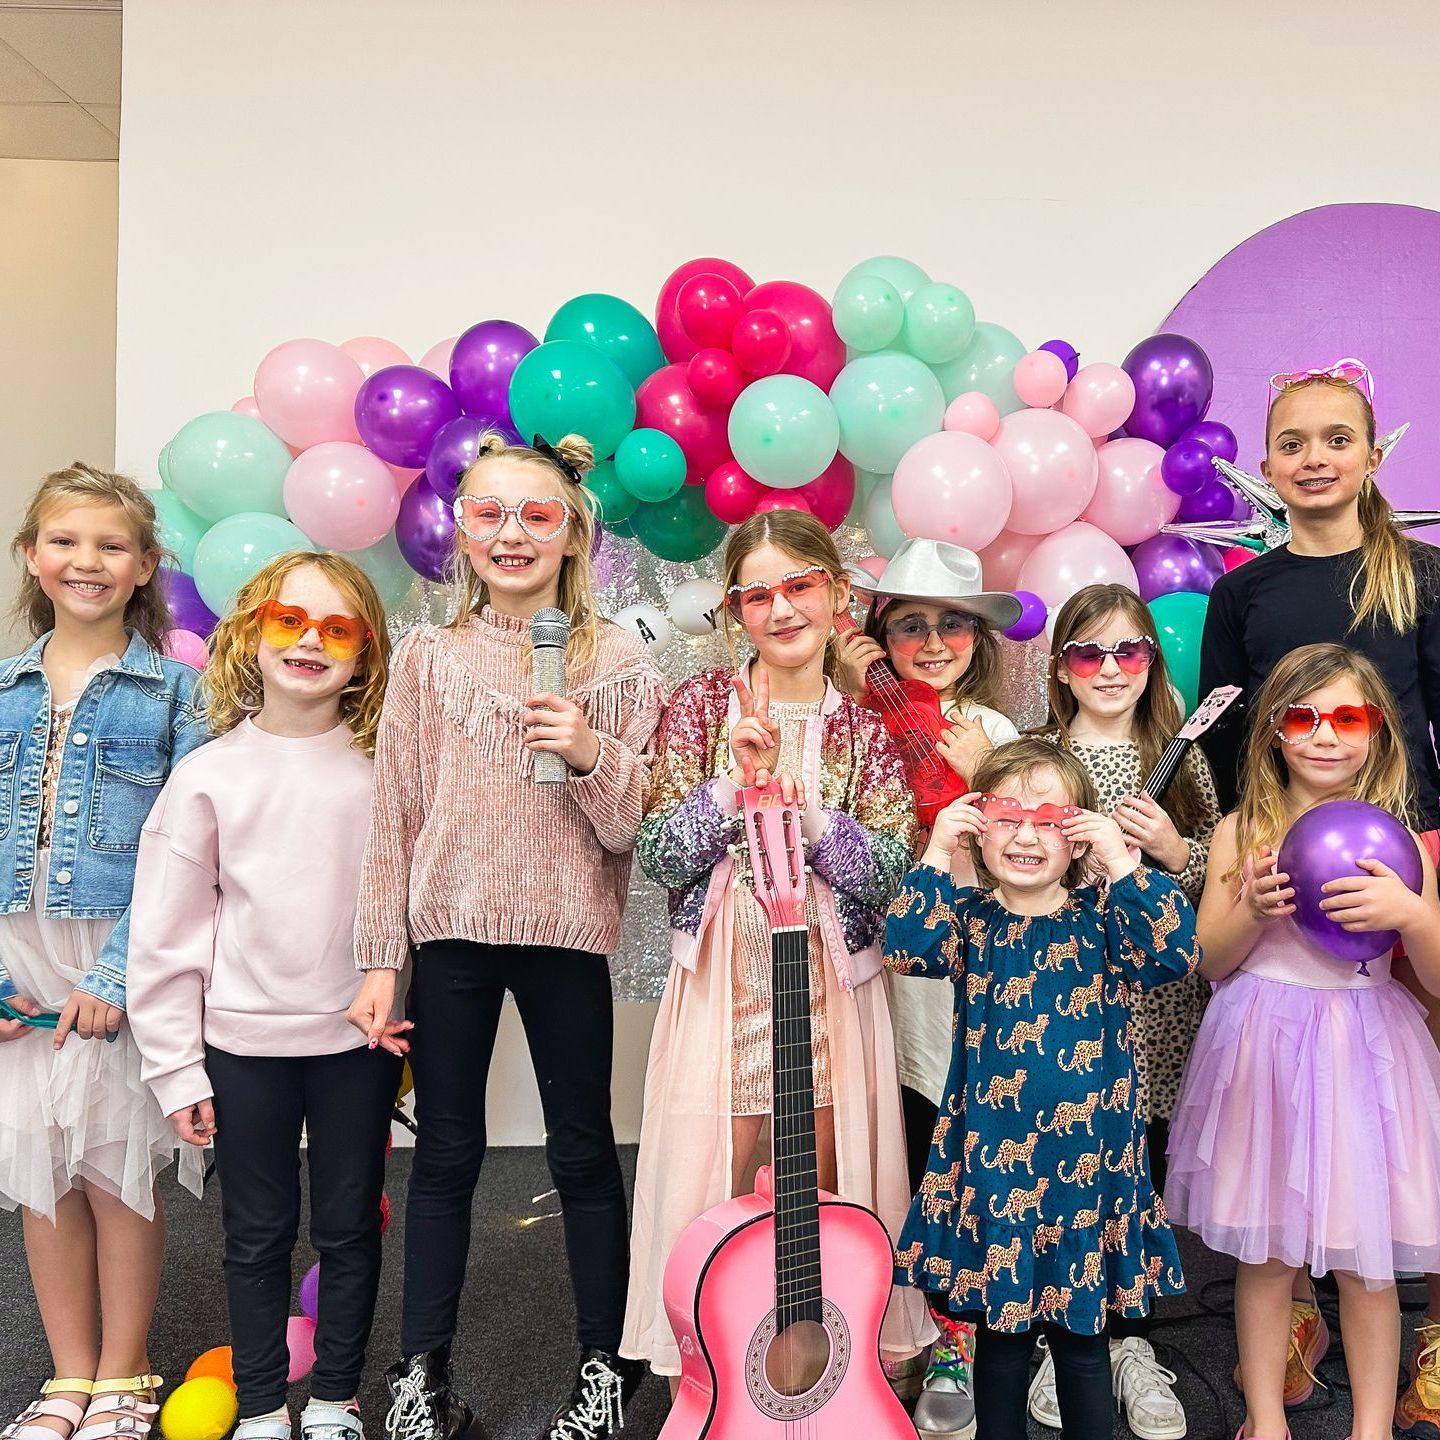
<point>242,925</point>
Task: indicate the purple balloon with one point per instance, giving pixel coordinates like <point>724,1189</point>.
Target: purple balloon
<point>1165,564</point>
<point>452,451</point>
<point>1213,501</point>
<point>399,410</point>
<point>1067,353</point>
<point>1324,844</point>
<point>425,530</point>
<point>482,362</point>
<point>308,1295</point>
<point>187,609</point>
<point>1187,466</point>
<point>1220,439</point>
<point>1173,384</point>
<point>1032,617</point>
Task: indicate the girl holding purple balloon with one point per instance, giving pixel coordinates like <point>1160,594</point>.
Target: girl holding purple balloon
<point>1307,1132</point>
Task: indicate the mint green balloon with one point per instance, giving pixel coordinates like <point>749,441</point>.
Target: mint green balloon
<point>650,465</point>
<point>884,403</point>
<point>988,365</point>
<point>939,324</point>
<point>868,312</point>
<point>387,568</point>
<point>884,530</point>
<point>905,275</point>
<point>680,529</point>
<point>613,326</point>
<point>162,464</point>
<point>783,430</point>
<point>180,527</point>
<point>614,503</point>
<point>234,548</point>
<point>225,464</point>
<point>569,387</point>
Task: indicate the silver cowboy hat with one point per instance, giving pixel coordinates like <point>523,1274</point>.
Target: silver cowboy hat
<point>939,573</point>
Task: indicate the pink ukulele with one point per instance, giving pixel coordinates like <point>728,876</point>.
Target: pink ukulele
<point>767,1349</point>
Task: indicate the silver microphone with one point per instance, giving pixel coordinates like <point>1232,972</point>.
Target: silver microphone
<point>549,630</point>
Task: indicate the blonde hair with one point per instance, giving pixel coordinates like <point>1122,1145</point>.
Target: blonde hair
<point>1018,760</point>
<point>577,594</point>
<point>1157,718</point>
<point>1263,815</point>
<point>147,611</point>
<point>983,679</point>
<point>231,683</point>
<point>1385,577</point>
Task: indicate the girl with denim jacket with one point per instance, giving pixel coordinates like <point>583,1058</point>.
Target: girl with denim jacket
<point>92,717</point>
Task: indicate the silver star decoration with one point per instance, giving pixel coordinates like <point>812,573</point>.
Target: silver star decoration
<point>1268,529</point>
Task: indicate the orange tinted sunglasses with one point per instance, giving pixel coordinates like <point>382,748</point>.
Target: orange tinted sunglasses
<point>281,626</point>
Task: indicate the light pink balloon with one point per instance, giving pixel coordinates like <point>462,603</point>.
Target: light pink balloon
<point>951,486</point>
<point>1131,501</point>
<point>1002,558</point>
<point>246,405</point>
<point>437,358</point>
<point>403,478</point>
<point>306,392</point>
<point>1052,466</point>
<point>187,646</point>
<point>873,565</point>
<point>974,413</point>
<point>341,496</point>
<point>1099,399</point>
<point>1040,378</point>
<point>371,353</point>
<point>300,1340</point>
<point>1069,560</point>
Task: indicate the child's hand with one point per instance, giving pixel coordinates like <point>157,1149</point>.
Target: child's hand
<point>1148,827</point>
<point>855,653</point>
<point>1106,840</point>
<point>369,1013</point>
<point>958,819</point>
<point>89,1017</point>
<point>1380,900</point>
<point>1267,894</point>
<point>195,1124</point>
<point>755,740</point>
<point>14,1029</point>
<point>559,725</point>
<point>963,745</point>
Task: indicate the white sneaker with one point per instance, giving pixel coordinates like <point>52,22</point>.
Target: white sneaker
<point>1142,1391</point>
<point>1044,1407</point>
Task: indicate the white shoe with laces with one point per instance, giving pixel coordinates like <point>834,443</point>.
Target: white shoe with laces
<point>1044,1407</point>
<point>1142,1391</point>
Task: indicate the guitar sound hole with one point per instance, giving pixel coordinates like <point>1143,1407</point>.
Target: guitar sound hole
<point>797,1357</point>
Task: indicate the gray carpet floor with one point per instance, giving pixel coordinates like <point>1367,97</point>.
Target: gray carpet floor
<point>515,1353</point>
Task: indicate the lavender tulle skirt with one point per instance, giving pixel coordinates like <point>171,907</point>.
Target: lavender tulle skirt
<point>1308,1129</point>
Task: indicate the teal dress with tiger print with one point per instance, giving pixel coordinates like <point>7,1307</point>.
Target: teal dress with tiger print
<point>1037,1204</point>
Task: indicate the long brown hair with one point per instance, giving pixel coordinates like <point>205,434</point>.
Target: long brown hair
<point>1264,813</point>
<point>147,612</point>
<point>1157,717</point>
<point>983,679</point>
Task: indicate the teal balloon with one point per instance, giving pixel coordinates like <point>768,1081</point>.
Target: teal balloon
<point>570,387</point>
<point>987,365</point>
<point>868,312</point>
<point>234,548</point>
<point>616,328</point>
<point>883,528</point>
<point>180,527</point>
<point>1180,622</point>
<point>387,568</point>
<point>884,403</point>
<point>614,503</point>
<point>783,430</point>
<point>905,275</point>
<point>680,529</point>
<point>225,463</point>
<point>939,324</point>
<point>650,465</point>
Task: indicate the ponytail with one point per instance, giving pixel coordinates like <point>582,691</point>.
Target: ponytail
<point>1386,567</point>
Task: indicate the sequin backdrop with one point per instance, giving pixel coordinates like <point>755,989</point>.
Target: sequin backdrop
<point>628,574</point>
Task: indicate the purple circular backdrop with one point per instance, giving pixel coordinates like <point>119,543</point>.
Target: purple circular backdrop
<point>1360,280</point>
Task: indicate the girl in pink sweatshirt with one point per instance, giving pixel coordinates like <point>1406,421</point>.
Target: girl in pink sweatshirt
<point>242,971</point>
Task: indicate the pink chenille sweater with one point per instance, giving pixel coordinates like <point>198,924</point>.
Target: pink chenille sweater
<point>463,844</point>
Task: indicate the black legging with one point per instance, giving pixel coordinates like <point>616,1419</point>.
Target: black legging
<point>564,1001</point>
<point>1002,1380</point>
<point>1157,1137</point>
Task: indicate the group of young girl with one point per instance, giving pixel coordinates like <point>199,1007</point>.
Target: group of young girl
<point>1133,1013</point>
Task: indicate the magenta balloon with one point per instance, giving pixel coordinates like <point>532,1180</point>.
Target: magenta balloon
<point>1217,438</point>
<point>666,402</point>
<point>1168,563</point>
<point>1173,385</point>
<point>425,530</point>
<point>481,364</point>
<point>731,494</point>
<point>831,493</point>
<point>1033,615</point>
<point>400,410</point>
<point>1325,844</point>
<point>817,353</point>
<point>676,344</point>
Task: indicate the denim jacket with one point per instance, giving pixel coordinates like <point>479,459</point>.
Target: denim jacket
<point>130,725</point>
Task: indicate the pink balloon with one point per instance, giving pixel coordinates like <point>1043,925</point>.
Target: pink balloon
<point>300,1339</point>
<point>1236,556</point>
<point>246,405</point>
<point>952,486</point>
<point>437,358</point>
<point>666,402</point>
<point>371,353</point>
<point>761,343</point>
<point>1131,501</point>
<point>306,392</point>
<point>1099,399</point>
<point>1072,558</point>
<point>402,477</point>
<point>831,493</point>
<point>817,353</point>
<point>873,565</point>
<point>1002,558</point>
<point>676,344</point>
<point>187,646</point>
<point>731,494</point>
<point>342,496</point>
<point>1040,378</point>
<point>1052,466</point>
<point>973,413</point>
<point>781,500</point>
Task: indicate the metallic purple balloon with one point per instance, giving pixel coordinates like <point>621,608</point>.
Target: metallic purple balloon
<point>425,530</point>
<point>1067,353</point>
<point>1220,439</point>
<point>187,609</point>
<point>452,451</point>
<point>481,364</point>
<point>1187,466</point>
<point>1032,617</point>
<point>1215,500</point>
<point>1324,844</point>
<point>1167,563</point>
<point>1173,384</point>
<point>399,410</point>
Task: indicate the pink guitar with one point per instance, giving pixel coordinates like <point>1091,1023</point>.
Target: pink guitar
<point>776,1298</point>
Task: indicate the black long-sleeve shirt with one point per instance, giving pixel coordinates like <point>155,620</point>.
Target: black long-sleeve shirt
<point>1281,601</point>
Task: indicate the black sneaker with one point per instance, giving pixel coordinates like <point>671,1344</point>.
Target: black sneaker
<point>604,1386</point>
<point>423,1406</point>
